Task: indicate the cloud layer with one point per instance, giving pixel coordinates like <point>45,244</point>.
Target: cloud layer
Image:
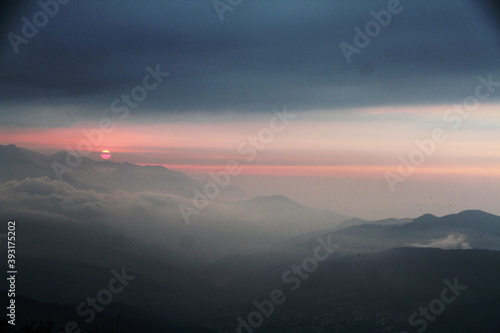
<point>452,241</point>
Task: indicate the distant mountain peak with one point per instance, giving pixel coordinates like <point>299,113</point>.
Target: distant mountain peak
<point>272,199</point>
<point>474,213</point>
<point>9,148</point>
<point>61,153</point>
<point>155,167</point>
<point>426,218</point>
<point>464,218</point>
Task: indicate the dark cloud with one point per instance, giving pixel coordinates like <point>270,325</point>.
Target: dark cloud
<point>264,54</point>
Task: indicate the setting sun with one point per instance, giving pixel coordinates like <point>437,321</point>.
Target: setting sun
<point>105,154</point>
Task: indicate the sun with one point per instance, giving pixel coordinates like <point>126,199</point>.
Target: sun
<point>106,154</point>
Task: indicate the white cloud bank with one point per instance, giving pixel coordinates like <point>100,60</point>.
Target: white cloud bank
<point>452,241</point>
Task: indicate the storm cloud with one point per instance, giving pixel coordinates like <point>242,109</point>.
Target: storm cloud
<point>263,54</point>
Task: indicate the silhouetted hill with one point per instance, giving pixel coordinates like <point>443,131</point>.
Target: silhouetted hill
<point>19,164</point>
<point>356,221</point>
<point>468,229</point>
<point>125,317</point>
<point>285,216</point>
<point>377,292</point>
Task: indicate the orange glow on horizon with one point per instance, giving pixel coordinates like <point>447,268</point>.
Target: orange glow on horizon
<point>348,171</point>
<point>321,145</point>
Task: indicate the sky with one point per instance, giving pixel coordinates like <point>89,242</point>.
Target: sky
<point>398,120</point>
